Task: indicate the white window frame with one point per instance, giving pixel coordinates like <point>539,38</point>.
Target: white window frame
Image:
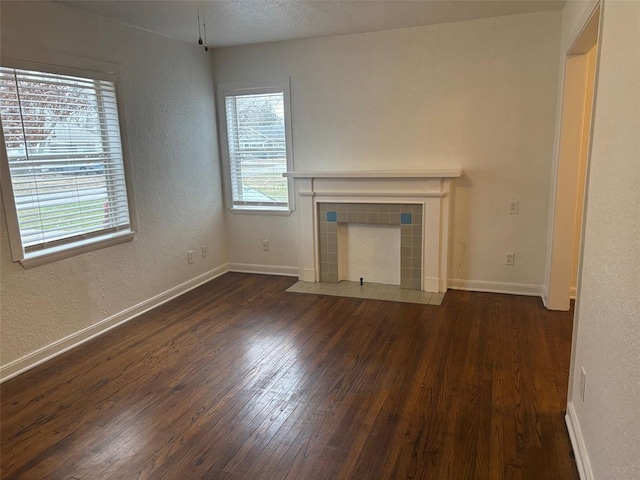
<point>225,90</point>
<point>73,66</point>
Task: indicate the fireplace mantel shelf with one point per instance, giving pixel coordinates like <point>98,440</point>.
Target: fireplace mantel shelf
<point>364,174</point>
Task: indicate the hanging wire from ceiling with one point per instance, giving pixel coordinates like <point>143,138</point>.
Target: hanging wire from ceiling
<point>199,31</point>
<point>200,5</point>
<point>204,28</point>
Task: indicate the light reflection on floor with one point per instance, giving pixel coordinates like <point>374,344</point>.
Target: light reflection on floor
<point>374,291</point>
<point>259,347</point>
<point>279,352</point>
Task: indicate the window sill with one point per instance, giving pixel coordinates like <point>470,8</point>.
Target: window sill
<point>261,211</point>
<point>51,255</point>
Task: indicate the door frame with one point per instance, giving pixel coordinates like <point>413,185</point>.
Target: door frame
<point>568,197</point>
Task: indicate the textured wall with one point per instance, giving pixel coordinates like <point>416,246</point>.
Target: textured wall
<point>249,230</point>
<point>168,89</point>
<point>480,95</point>
<point>607,341</point>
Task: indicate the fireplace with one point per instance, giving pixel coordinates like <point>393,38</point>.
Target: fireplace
<point>407,217</point>
<point>418,202</point>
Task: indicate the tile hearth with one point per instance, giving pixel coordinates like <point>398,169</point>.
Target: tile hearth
<point>373,291</point>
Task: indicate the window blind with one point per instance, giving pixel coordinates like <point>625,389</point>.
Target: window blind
<point>257,149</point>
<point>62,139</point>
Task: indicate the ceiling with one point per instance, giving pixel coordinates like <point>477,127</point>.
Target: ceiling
<point>240,22</point>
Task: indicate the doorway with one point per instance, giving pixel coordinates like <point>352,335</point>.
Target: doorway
<point>573,156</point>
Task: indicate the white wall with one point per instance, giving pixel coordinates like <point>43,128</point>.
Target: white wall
<point>480,95</point>
<point>245,231</point>
<point>168,88</point>
<point>607,333</point>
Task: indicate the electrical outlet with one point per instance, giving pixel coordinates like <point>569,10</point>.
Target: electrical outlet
<point>583,382</point>
<point>510,259</point>
<point>190,256</point>
<point>204,250</point>
<point>265,245</point>
<point>514,207</point>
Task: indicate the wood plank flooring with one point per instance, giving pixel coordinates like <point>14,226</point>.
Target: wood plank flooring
<point>239,379</point>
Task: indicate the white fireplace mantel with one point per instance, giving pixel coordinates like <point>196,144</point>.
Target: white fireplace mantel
<point>429,188</point>
<point>448,173</point>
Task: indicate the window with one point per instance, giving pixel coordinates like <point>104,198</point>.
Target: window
<point>63,176</point>
<point>256,138</point>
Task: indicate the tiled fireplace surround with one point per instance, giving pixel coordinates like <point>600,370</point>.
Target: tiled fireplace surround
<point>417,201</point>
<point>408,217</point>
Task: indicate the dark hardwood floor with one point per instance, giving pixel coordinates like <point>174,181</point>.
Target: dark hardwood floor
<point>240,380</point>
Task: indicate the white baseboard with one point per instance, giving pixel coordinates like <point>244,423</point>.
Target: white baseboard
<point>54,349</point>
<point>545,297</point>
<point>497,287</point>
<point>577,442</point>
<point>431,284</point>
<point>307,275</point>
<point>263,269</point>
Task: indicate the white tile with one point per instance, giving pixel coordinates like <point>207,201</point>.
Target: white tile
<point>367,290</point>
<point>375,291</point>
<point>436,298</point>
<point>400,296</point>
<point>296,287</point>
<point>388,295</point>
<point>381,290</point>
<point>424,298</point>
<point>413,296</point>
